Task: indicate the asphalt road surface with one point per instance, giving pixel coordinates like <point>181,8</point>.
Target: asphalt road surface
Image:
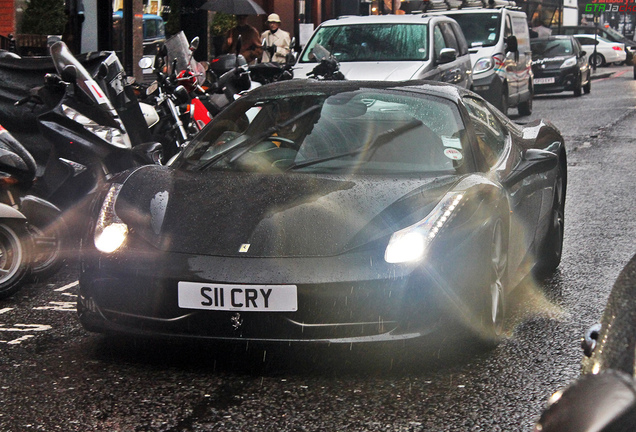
<point>56,376</point>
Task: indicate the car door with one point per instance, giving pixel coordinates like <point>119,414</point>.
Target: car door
<point>455,72</point>
<point>510,64</point>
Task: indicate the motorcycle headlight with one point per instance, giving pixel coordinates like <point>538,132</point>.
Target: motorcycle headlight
<point>483,64</point>
<point>110,231</point>
<point>569,62</point>
<point>110,134</point>
<point>410,244</point>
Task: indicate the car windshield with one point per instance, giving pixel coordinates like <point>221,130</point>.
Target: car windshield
<point>367,131</point>
<point>551,48</point>
<point>480,29</point>
<point>372,42</point>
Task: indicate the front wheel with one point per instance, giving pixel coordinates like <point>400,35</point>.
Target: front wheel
<point>551,248</point>
<point>14,256</point>
<point>495,310</point>
<point>50,238</point>
<point>587,88</point>
<point>525,108</point>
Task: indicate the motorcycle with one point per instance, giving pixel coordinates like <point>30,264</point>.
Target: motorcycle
<point>328,67</point>
<point>269,72</point>
<point>15,250</point>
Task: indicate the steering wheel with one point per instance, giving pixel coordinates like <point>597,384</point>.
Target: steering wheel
<point>284,142</point>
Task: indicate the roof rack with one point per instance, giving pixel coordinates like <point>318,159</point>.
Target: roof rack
<point>442,5</point>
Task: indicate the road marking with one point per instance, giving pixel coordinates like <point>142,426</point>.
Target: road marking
<point>58,306</point>
<point>19,340</point>
<point>5,310</point>
<point>26,327</point>
<point>65,287</point>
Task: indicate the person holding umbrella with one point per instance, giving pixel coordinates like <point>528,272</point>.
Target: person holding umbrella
<point>277,41</point>
<point>251,47</point>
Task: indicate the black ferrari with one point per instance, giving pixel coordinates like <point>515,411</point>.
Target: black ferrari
<point>334,212</point>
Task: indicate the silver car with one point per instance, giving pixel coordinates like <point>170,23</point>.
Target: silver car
<point>392,48</point>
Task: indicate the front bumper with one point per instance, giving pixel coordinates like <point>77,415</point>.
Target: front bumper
<point>392,305</point>
<point>563,80</point>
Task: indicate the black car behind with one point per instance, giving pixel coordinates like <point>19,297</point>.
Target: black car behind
<point>560,64</point>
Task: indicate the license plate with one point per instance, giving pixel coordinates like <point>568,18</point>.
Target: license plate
<point>252,298</point>
<point>549,80</point>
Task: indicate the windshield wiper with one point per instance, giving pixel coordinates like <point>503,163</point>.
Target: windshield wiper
<point>382,139</point>
<point>249,142</point>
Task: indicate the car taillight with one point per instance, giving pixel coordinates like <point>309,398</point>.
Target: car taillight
<point>617,48</point>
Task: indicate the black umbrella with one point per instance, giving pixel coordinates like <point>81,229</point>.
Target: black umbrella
<point>234,7</point>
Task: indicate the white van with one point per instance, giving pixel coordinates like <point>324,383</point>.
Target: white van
<point>499,45</point>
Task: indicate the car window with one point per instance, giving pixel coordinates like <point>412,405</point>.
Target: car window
<point>479,28</point>
<point>366,131</point>
<point>461,40</point>
<point>372,42</point>
<point>491,137</point>
<point>449,36</point>
<point>542,48</point>
<point>508,27</point>
<point>586,41</point>
<point>438,41</point>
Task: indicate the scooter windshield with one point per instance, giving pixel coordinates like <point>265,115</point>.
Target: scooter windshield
<point>117,135</point>
<point>178,48</point>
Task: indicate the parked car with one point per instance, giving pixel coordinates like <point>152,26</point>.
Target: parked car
<point>604,31</point>
<point>392,48</point>
<point>330,212</point>
<point>499,45</point>
<point>559,63</point>
<point>606,51</point>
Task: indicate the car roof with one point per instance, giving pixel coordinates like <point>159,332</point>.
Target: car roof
<point>479,11</point>
<point>419,87</point>
<point>380,19</point>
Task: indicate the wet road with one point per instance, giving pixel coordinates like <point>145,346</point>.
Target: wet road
<point>56,376</point>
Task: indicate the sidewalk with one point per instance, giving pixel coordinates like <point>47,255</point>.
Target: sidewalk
<point>605,72</point>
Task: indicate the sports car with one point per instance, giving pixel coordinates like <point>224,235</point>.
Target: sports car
<point>333,212</point>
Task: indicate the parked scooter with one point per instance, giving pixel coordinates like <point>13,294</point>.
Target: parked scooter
<point>15,250</point>
<point>89,143</point>
<point>269,72</point>
<point>328,68</point>
<point>46,225</point>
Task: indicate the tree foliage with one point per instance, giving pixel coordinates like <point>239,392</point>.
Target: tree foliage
<point>221,23</point>
<point>173,23</point>
<point>44,17</point>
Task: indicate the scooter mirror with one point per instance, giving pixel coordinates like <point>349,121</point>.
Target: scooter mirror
<point>194,44</point>
<point>69,74</point>
<point>145,62</point>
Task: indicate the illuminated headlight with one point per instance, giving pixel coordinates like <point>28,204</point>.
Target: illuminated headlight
<point>411,243</point>
<point>483,64</point>
<point>569,62</point>
<point>110,231</point>
<point>112,135</point>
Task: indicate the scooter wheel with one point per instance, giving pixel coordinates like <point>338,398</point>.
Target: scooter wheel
<point>50,238</point>
<point>14,256</point>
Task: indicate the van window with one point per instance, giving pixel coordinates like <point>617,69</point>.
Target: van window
<point>480,28</point>
<point>438,41</point>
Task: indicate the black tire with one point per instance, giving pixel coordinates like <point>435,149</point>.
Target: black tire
<point>14,256</point>
<point>587,88</point>
<point>503,102</point>
<point>525,108</point>
<point>551,247</point>
<point>578,90</point>
<point>597,59</point>
<point>50,245</point>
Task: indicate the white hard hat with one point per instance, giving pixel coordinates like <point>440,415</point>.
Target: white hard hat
<point>273,18</point>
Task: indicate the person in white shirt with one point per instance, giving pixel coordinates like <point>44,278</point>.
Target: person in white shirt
<point>276,40</point>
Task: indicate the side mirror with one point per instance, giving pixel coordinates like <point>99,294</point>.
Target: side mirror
<point>148,153</point>
<point>181,95</point>
<point>605,403</point>
<point>533,161</point>
<point>511,44</point>
<point>447,55</point>
<point>582,54</point>
<point>194,44</point>
<point>69,74</point>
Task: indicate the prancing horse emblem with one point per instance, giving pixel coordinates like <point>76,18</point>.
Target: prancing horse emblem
<point>236,321</point>
<point>244,247</point>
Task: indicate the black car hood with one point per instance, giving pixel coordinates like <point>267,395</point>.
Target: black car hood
<point>277,215</point>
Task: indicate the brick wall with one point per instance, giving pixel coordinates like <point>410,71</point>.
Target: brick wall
<point>7,17</point>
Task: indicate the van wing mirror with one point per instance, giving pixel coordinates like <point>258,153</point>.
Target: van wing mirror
<point>447,55</point>
<point>511,44</point>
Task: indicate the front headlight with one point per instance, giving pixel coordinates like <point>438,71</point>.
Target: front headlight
<point>109,134</point>
<point>483,64</point>
<point>410,244</point>
<point>110,231</point>
<point>569,62</point>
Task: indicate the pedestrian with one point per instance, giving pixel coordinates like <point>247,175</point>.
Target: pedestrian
<point>251,47</point>
<point>277,41</point>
